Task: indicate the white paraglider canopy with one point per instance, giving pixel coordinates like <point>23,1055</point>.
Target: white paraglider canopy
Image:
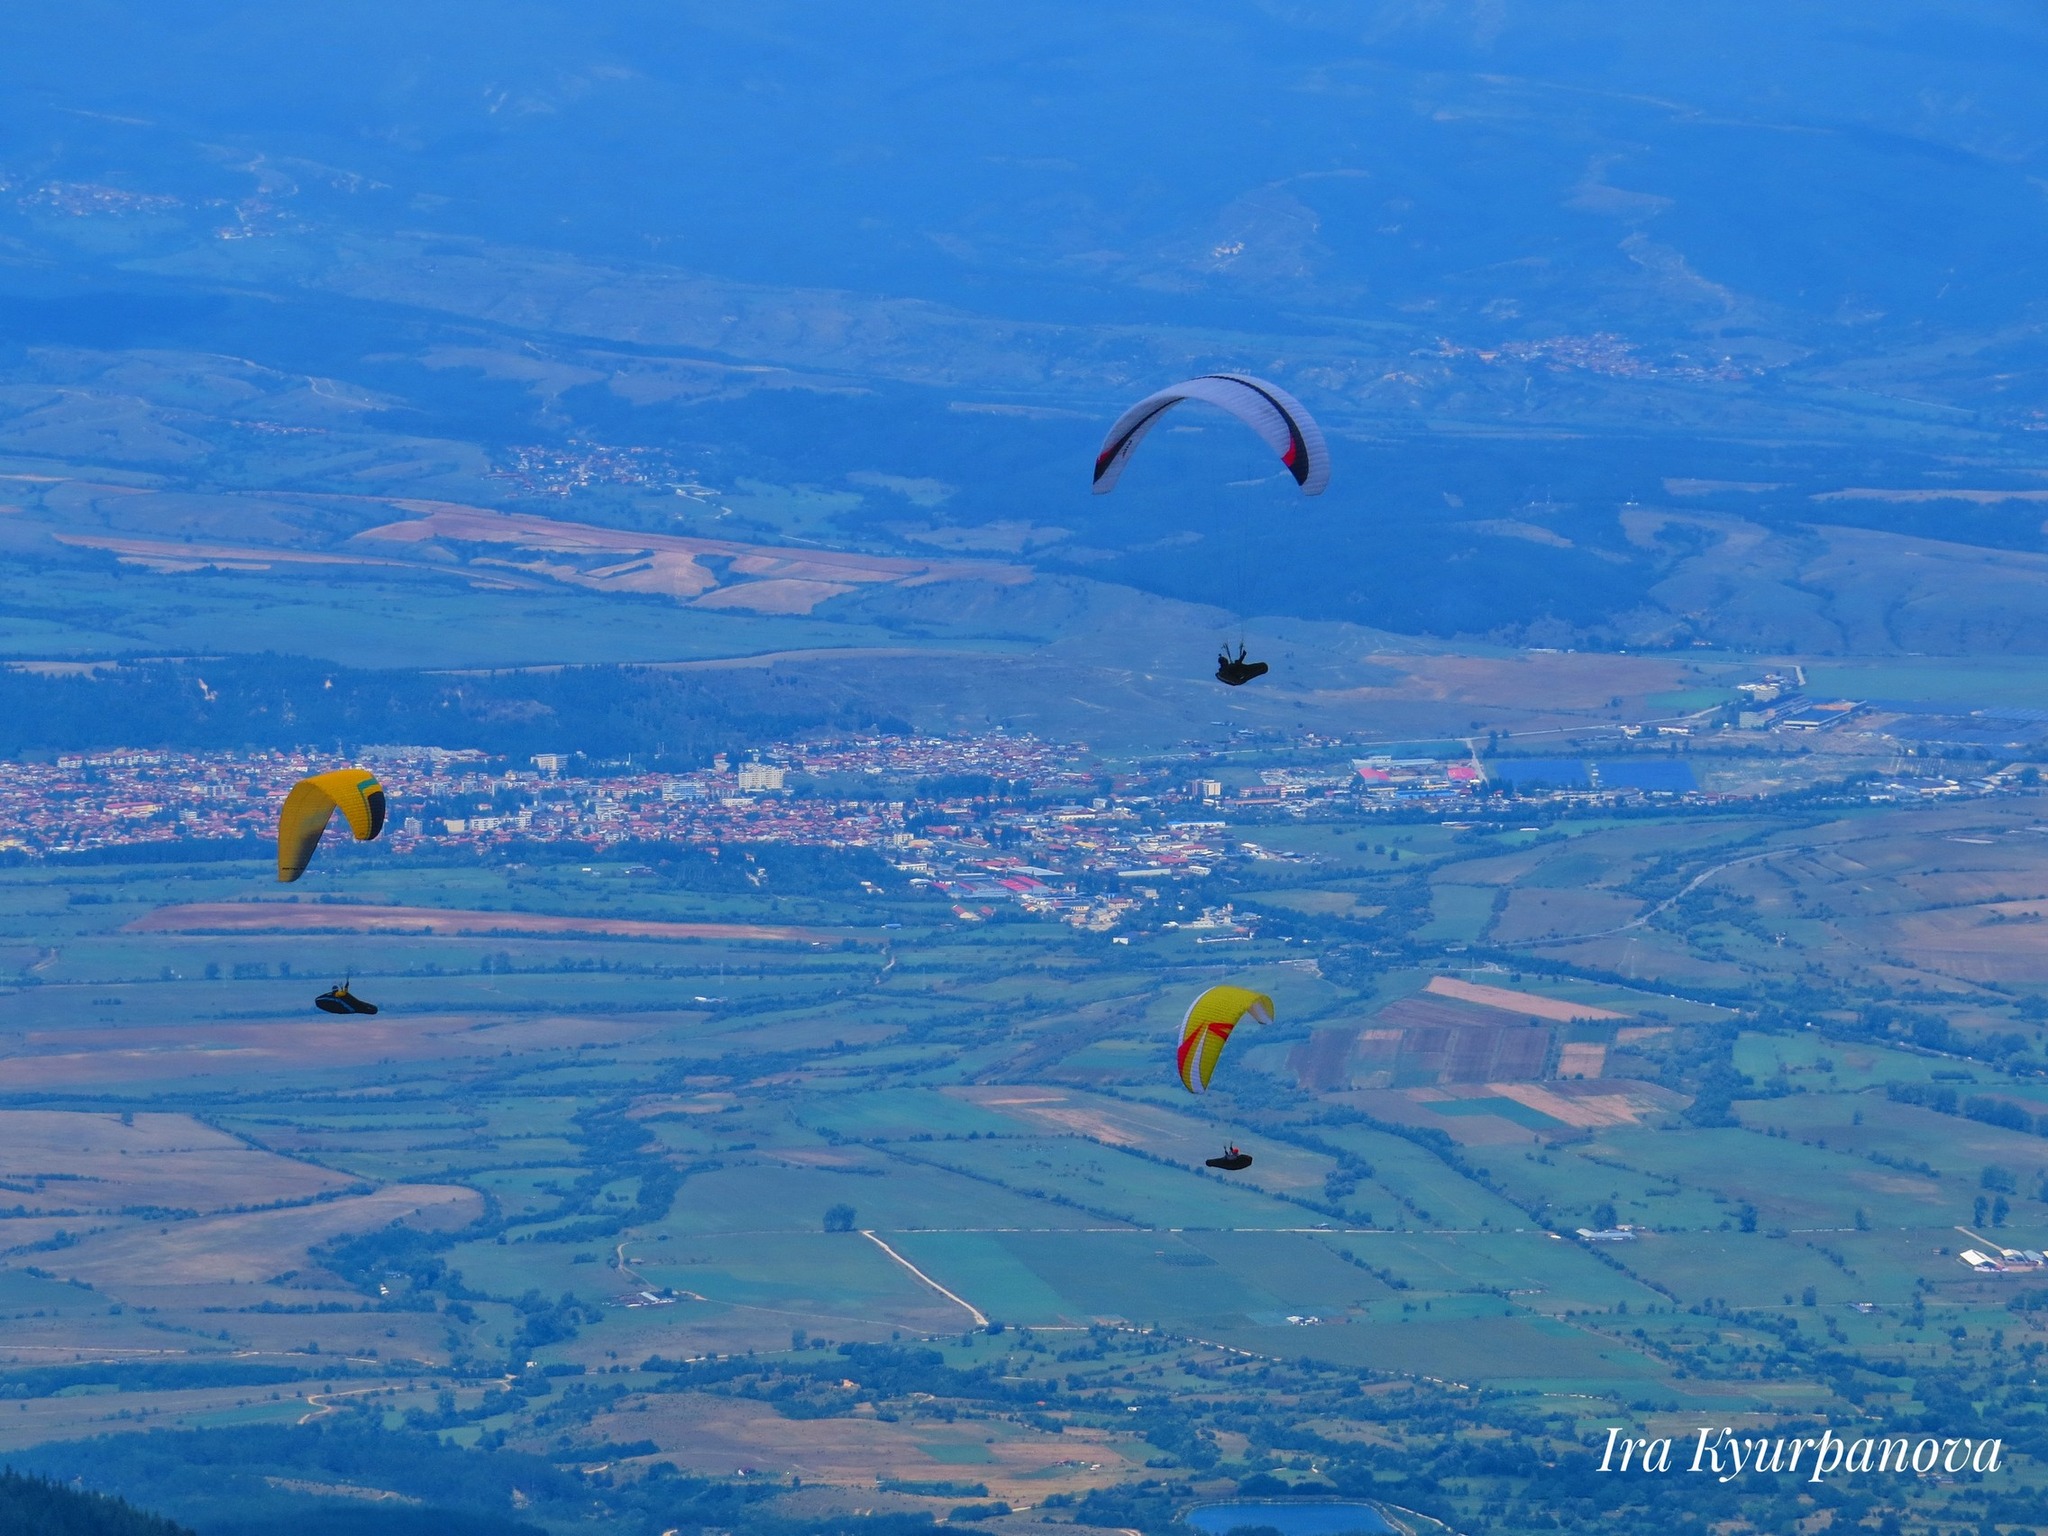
<point>1267,409</point>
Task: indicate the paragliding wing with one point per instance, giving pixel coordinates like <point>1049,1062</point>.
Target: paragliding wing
<point>355,792</point>
<point>1267,409</point>
<point>1207,1027</point>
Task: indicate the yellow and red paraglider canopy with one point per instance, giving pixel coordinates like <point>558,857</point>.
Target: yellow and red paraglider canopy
<point>312,803</point>
<point>1205,1030</point>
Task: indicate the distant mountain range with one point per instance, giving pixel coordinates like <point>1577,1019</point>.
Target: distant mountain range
<point>1640,328</point>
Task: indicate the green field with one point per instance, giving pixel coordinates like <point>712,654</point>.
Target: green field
<point>598,1151</point>
<point>1976,683</point>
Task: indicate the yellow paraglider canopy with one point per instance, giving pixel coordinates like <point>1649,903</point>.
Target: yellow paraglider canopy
<point>355,792</point>
<point>1210,1019</point>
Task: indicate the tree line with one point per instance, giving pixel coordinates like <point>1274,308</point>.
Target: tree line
<point>679,718</point>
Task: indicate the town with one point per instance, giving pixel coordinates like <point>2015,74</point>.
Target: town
<point>983,820</point>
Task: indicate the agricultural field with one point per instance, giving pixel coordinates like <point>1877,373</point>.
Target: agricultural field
<point>634,1175</point>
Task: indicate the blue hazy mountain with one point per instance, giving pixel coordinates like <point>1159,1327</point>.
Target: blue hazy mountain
<point>1529,264</point>
<point>1737,168</point>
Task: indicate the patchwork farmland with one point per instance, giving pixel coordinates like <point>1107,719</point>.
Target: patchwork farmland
<point>612,1155</point>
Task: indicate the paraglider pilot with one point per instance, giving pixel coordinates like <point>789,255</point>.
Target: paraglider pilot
<point>1235,670</point>
<point>1276,416</point>
<point>341,1000</point>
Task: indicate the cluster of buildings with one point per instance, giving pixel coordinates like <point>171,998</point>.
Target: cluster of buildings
<point>990,817</point>
<point>1603,352</point>
<point>1015,760</point>
<point>1778,702</point>
<point>1381,782</point>
<point>82,199</point>
<point>564,471</point>
<point>1392,781</point>
<point>1896,789</point>
<point>912,799</point>
<point>455,800</point>
<point>80,804</point>
<point>1087,864</point>
<point>989,820</point>
<point>2003,1260</point>
<point>996,818</point>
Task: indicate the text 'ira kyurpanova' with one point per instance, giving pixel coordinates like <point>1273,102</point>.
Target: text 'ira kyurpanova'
<point>1728,1455</point>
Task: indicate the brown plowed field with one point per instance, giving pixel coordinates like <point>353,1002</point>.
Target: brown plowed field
<point>1527,1003</point>
<point>523,550</point>
<point>707,1434</point>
